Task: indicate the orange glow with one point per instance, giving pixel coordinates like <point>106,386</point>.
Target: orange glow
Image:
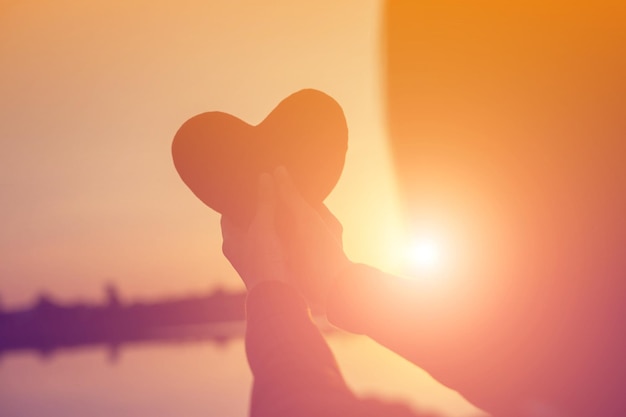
<point>503,122</point>
<point>91,96</point>
<point>425,254</point>
<point>507,124</point>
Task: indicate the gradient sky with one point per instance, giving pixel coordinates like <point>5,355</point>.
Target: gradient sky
<point>91,94</point>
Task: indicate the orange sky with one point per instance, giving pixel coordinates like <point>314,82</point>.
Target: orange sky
<point>91,94</point>
<point>508,121</point>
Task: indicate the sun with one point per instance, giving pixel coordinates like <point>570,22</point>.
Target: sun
<point>423,255</point>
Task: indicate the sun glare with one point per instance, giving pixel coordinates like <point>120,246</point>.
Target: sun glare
<point>423,255</point>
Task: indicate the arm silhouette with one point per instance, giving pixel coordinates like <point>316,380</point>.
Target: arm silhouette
<point>295,372</point>
<point>532,348</point>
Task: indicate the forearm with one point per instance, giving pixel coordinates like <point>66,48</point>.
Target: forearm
<point>507,363</point>
<point>410,319</point>
<point>294,370</point>
<point>389,309</point>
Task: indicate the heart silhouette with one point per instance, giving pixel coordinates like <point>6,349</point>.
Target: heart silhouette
<point>220,157</point>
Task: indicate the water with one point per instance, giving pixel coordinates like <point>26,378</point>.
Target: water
<point>191,379</point>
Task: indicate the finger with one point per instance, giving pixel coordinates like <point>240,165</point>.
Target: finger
<point>288,193</point>
<point>232,236</point>
<point>230,229</point>
<point>266,202</point>
<point>332,223</point>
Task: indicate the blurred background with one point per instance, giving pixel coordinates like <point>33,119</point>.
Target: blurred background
<point>95,222</point>
<point>486,153</point>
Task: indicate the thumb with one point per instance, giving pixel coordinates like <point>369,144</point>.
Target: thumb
<point>288,193</point>
<point>266,202</point>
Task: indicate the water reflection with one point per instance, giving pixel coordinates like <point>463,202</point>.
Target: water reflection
<point>192,379</point>
<point>182,379</point>
<point>169,358</point>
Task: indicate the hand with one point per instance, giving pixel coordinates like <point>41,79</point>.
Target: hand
<point>256,253</point>
<point>312,243</point>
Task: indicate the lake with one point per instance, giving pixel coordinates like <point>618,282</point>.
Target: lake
<point>201,378</point>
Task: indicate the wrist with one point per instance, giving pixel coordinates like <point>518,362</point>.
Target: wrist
<point>271,298</point>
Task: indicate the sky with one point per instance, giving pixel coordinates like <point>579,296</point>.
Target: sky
<point>91,95</point>
<point>518,123</point>
<point>488,120</point>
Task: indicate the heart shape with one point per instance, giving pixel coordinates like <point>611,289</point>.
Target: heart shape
<point>220,157</point>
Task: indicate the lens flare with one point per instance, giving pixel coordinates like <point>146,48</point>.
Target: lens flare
<point>423,255</point>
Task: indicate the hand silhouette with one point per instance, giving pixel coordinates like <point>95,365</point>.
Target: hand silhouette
<point>256,253</point>
<point>312,241</point>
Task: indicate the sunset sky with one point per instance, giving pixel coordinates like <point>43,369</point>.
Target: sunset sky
<point>500,130</point>
<point>91,94</point>
<point>499,117</point>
